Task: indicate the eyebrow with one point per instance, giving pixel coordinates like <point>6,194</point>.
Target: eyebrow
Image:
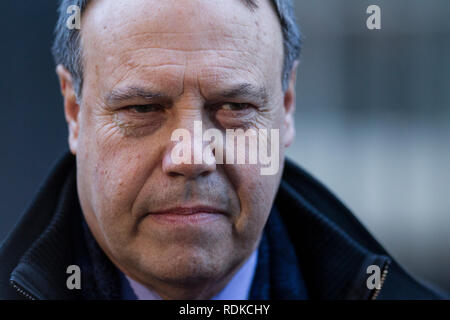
<point>120,95</point>
<point>245,90</point>
<point>242,90</point>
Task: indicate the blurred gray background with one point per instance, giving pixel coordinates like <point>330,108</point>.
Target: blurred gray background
<point>373,121</point>
<point>373,113</point>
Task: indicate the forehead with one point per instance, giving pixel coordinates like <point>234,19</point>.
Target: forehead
<point>209,40</point>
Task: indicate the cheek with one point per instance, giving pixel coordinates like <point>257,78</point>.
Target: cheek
<point>256,193</point>
<point>115,169</point>
<point>114,185</point>
<point>117,178</point>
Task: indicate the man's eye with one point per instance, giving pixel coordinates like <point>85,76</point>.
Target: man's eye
<point>234,106</point>
<point>145,108</point>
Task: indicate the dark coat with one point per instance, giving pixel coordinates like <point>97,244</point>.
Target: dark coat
<point>310,240</point>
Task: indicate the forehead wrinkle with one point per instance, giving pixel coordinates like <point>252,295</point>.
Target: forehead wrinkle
<point>174,46</point>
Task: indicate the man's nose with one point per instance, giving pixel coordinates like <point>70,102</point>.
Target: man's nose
<point>199,160</point>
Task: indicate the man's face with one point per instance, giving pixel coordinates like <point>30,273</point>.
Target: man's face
<point>151,67</point>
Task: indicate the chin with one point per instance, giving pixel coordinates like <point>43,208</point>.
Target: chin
<point>186,266</point>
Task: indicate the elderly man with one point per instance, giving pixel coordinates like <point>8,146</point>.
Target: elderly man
<point>132,221</point>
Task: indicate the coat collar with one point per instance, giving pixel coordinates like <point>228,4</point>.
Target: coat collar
<point>41,271</point>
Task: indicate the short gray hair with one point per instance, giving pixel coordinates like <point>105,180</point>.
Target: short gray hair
<point>66,48</point>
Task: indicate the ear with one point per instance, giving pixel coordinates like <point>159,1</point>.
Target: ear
<point>71,107</point>
<point>289,107</point>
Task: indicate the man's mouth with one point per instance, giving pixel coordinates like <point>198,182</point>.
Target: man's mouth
<point>187,215</point>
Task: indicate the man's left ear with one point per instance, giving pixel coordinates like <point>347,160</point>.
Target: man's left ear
<point>289,108</point>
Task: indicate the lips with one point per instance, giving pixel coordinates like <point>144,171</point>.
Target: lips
<point>189,210</point>
<point>187,215</point>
